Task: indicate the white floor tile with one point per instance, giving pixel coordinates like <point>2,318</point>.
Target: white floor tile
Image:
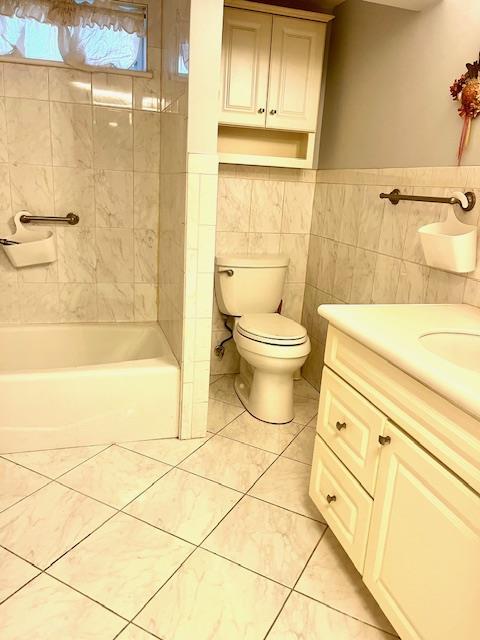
<point>266,539</point>
<point>304,389</point>
<point>223,390</point>
<point>17,483</point>
<point>122,564</point>
<point>305,619</point>
<point>55,462</point>
<point>301,449</point>
<point>45,609</point>
<point>14,573</point>
<point>286,485</point>
<point>270,437</point>
<point>210,598</point>
<point>304,409</point>
<point>171,451</point>
<point>220,414</point>
<point>116,476</point>
<point>48,523</point>
<point>231,463</point>
<point>134,633</point>
<point>331,578</point>
<point>184,504</point>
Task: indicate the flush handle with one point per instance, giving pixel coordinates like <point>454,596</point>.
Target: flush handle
<point>341,425</point>
<point>229,272</point>
<point>383,440</point>
<point>331,499</point>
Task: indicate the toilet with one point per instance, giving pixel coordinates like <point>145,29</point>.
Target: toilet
<point>272,347</point>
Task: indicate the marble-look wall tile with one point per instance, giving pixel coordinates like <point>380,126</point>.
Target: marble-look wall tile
<point>147,91</point>
<point>145,302</point>
<point>146,148</point>
<point>39,302</point>
<point>3,132</point>
<point>385,284</point>
<point>73,191</point>
<point>295,245</point>
<point>24,81</point>
<point>32,189</point>
<point>349,209</point>
<point>146,200</point>
<point>113,198</point>
<point>72,135</point>
<point>267,203</point>
<point>146,252</point>
<point>264,242</point>
<point>362,285</point>
<point>77,302</point>
<point>234,199</point>
<point>28,131</point>
<point>109,90</point>
<point>115,302</point>
<point>70,85</point>
<point>445,288</point>
<point>297,211</point>
<point>10,307</point>
<point>5,197</point>
<point>113,138</point>
<point>76,255</point>
<point>115,255</point>
<point>344,271</point>
<point>412,283</point>
<point>39,273</point>
<point>471,294</point>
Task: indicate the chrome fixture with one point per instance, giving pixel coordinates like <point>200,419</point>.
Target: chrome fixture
<point>70,218</point>
<point>395,196</point>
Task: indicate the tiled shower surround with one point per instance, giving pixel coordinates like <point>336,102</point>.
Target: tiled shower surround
<point>88,143</point>
<point>364,250</point>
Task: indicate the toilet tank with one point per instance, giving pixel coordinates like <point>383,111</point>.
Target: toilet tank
<point>248,283</point>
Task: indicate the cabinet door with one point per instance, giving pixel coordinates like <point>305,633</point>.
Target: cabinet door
<point>423,552</point>
<point>295,74</point>
<point>245,63</point>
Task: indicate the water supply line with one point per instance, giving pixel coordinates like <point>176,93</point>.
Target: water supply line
<point>220,349</point>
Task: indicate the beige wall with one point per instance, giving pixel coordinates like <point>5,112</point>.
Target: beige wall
<point>364,250</point>
<point>264,210</point>
<point>389,73</point>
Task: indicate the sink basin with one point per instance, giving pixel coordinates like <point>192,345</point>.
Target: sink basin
<point>462,349</point>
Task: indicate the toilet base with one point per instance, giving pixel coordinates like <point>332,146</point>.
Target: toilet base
<point>267,397</point>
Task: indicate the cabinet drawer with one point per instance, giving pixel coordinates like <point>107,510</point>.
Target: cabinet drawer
<point>350,425</point>
<point>344,504</point>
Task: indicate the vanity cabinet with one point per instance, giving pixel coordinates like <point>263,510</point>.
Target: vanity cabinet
<point>271,70</point>
<point>395,474</point>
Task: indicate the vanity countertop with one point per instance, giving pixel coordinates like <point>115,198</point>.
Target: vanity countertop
<point>393,332</point>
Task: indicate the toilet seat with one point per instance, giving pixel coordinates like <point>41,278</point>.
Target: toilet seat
<point>272,328</point>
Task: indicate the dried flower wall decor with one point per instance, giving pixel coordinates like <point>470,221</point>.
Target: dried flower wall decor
<point>467,91</point>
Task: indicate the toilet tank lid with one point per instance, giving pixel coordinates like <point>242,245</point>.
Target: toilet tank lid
<point>253,260</point>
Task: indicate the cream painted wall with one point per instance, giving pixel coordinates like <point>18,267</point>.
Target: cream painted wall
<point>387,100</point>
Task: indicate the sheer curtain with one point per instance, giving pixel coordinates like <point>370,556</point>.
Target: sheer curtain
<point>81,33</point>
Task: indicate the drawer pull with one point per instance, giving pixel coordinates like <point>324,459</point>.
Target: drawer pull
<point>383,440</point>
<point>331,499</point>
<point>341,425</point>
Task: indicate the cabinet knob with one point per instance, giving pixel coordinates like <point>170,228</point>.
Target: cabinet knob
<point>273,112</point>
<point>341,425</point>
<point>261,110</point>
<point>331,499</point>
<point>383,440</point>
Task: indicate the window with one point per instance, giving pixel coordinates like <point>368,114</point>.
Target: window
<point>79,33</point>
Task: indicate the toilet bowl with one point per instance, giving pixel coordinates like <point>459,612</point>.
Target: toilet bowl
<point>272,347</point>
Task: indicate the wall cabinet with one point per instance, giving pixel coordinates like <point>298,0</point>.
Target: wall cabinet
<point>397,496</point>
<point>272,67</point>
<point>271,70</point>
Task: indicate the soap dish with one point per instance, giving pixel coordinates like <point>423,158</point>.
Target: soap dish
<point>37,246</point>
<point>450,245</point>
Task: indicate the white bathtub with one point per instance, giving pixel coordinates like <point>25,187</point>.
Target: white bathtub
<point>72,385</point>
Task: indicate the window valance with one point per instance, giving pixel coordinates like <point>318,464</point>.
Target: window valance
<point>109,14</point>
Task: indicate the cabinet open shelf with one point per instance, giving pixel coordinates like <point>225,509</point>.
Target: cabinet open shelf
<point>245,145</point>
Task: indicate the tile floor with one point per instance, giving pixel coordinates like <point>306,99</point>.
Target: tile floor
<point>208,539</point>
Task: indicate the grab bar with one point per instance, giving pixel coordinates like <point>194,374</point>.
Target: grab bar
<point>395,196</point>
<point>70,218</point>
